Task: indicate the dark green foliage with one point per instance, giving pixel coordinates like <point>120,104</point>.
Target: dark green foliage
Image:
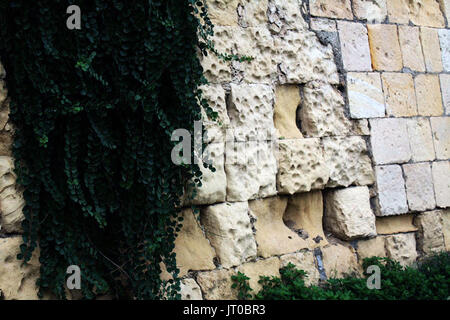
<point>94,111</point>
<point>431,280</point>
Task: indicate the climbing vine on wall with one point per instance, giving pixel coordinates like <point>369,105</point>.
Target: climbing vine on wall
<point>94,110</point>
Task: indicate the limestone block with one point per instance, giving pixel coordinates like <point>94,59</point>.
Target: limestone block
<point>290,13</point>
<point>365,95</point>
<point>254,12</point>
<point>399,94</point>
<point>441,136</point>
<point>192,249</point>
<point>11,205</point>
<point>385,47</point>
<point>398,11</point>
<point>360,127</point>
<point>446,228</point>
<point>444,39</point>
<point>340,9</point>
<point>215,129</point>
<point>251,111</point>
<point>214,183</point>
<point>395,224</point>
<point>323,24</point>
<point>216,285</point>
<point>411,48</point>
<point>303,58</point>
<point>229,230</point>
<point>374,247</point>
<point>190,290</point>
<point>251,169</point>
<point>426,13</point>
<point>223,12</point>
<point>419,186</point>
<point>445,88</point>
<point>348,161</point>
<point>348,214</point>
<point>445,6</point>
<point>402,248</point>
<point>339,260</point>
<point>431,49</point>
<point>304,214</point>
<point>430,237</point>
<point>389,140</point>
<point>354,46</point>
<point>420,139</point>
<point>7,175</point>
<point>305,261</point>
<point>441,181</point>
<point>272,235</point>
<point>287,100</point>
<point>322,112</point>
<point>17,281</point>
<point>261,268</point>
<point>428,92</point>
<point>391,191</point>
<point>372,11</point>
<point>302,166</point>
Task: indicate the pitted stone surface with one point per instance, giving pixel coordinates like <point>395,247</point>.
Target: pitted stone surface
<point>301,165</point>
<point>430,238</point>
<point>419,186</point>
<point>411,48</point>
<point>305,261</point>
<point>215,97</point>
<point>441,137</point>
<point>399,94</point>
<point>402,248</point>
<point>365,95</point>
<point>229,230</point>
<point>254,12</point>
<point>190,290</point>
<point>323,24</point>
<point>391,190</point>
<point>431,49</point>
<point>441,180</point>
<point>354,46</point>
<point>348,161</point>
<point>420,139</point>
<point>372,11</point>
<point>348,214</point>
<point>332,9</point>
<point>223,12</point>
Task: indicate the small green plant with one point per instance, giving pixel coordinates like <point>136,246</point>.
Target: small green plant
<point>240,282</point>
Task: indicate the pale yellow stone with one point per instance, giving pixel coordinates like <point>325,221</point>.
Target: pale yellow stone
<point>384,47</point>
<point>287,100</point>
<point>374,247</point>
<point>272,235</point>
<point>305,261</point>
<point>216,285</point>
<point>254,270</point>
<point>190,290</point>
<point>431,49</point>
<point>223,12</point>
<point>399,94</point>
<point>304,213</point>
<point>395,224</point>
<point>426,13</point>
<point>402,248</point>
<point>397,11</point>
<point>420,139</point>
<point>428,93</point>
<point>332,9</point>
<point>446,228</point>
<point>430,238</point>
<point>411,48</point>
<point>340,260</point>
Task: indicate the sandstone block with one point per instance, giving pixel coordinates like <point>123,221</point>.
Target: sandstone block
<point>223,12</point>
<point>397,11</point>
<point>348,214</point>
<point>253,13</point>
<point>322,24</point>
<point>372,11</point>
<point>272,235</point>
<point>441,136</point>
<point>229,230</point>
<point>305,261</point>
<point>441,181</point>
<point>190,290</point>
<point>360,127</point>
<point>301,165</point>
<point>419,186</point>
<point>426,13</point>
<point>354,46</point>
<point>17,281</point>
<point>348,161</point>
<point>402,248</point>
<point>215,97</point>
<point>399,94</point>
<point>445,88</point>
<point>431,49</point>
<point>216,285</point>
<point>428,92</point>
<point>385,47</point>
<point>322,112</point>
<point>389,139</point>
<point>395,224</point>
<point>444,39</point>
<point>266,268</point>
<point>391,198</point>
<point>287,100</point>
<point>420,139</point>
<point>374,247</point>
<point>411,48</point>
<point>339,260</point>
<point>430,238</point>
<point>287,12</point>
<point>365,95</point>
<point>446,228</point>
<point>340,9</point>
<point>251,169</point>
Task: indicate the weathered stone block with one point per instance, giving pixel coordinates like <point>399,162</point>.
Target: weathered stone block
<point>216,285</point>
<point>268,268</point>
<point>441,136</point>
<point>399,94</point>
<point>348,161</point>
<point>348,214</point>
<point>190,290</point>
<point>305,261</point>
<point>354,46</point>
<point>322,112</point>
<point>214,95</point>
<point>445,6</point>
<point>391,190</point>
<point>301,166</point>
<point>446,228</point>
<point>11,198</point>
<point>402,248</point>
<point>428,92</point>
<point>287,13</point>
<point>419,186</point>
<point>374,247</point>
<point>431,49</point>
<point>340,260</point>
<point>445,88</point>
<point>395,224</point>
<point>420,139</point>
<point>372,11</point>
<point>419,12</point>
<point>365,95</point>
<point>411,48</point>
<point>287,100</point>
<point>229,230</point>
<point>397,11</point>
<point>444,39</point>
<point>441,181</point>
<point>340,9</point>
<point>252,13</point>
<point>430,237</point>
<point>223,12</point>
<point>385,47</point>
<point>322,24</point>
<point>389,139</point>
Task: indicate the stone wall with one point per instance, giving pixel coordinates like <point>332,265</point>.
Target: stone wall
<point>332,144</point>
